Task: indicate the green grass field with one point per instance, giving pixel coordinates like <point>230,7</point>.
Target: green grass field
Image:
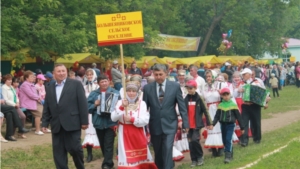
<point>287,158</point>
<point>40,157</point>
<point>252,152</point>
<point>288,100</point>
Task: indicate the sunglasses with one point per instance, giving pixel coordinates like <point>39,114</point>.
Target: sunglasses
<point>225,94</point>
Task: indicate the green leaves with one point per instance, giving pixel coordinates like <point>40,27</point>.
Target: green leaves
<point>57,27</point>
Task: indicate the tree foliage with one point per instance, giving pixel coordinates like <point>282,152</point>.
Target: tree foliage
<point>57,27</point>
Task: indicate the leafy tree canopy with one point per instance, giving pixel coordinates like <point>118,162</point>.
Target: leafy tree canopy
<point>57,27</point>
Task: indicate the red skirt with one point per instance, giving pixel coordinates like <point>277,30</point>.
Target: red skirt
<point>135,143</point>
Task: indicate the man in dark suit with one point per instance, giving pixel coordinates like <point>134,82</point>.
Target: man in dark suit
<point>66,110</point>
<point>161,97</point>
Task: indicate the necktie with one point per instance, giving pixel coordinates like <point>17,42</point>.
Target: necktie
<point>161,93</point>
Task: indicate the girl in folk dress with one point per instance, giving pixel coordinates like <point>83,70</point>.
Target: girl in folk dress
<point>133,151</point>
<point>212,98</point>
<point>90,140</point>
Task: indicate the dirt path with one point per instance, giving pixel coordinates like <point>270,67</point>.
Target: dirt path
<point>277,121</point>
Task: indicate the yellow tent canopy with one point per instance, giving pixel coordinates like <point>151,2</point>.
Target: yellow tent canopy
<point>239,58</point>
<point>12,56</point>
<point>223,60</point>
<point>205,59</point>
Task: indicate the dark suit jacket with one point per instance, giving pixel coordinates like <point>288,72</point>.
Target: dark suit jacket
<point>70,112</point>
<point>163,117</point>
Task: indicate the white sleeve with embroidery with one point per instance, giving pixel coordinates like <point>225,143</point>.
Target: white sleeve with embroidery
<point>142,119</point>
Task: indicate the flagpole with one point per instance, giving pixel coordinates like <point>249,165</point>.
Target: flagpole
<point>123,74</point>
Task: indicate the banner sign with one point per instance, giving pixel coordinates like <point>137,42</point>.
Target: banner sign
<point>176,43</point>
<point>119,28</point>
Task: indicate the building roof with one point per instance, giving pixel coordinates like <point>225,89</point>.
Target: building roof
<point>293,42</point>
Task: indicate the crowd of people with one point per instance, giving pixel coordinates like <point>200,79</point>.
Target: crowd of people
<point>169,109</point>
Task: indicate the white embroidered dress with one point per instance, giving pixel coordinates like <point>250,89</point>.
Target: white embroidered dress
<point>90,138</point>
<point>132,141</point>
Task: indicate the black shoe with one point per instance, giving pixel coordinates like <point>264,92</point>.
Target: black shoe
<point>214,152</point>
<point>10,138</point>
<point>23,130</point>
<point>228,157</point>
<point>220,152</point>
<point>257,141</point>
<point>200,161</point>
<point>194,163</point>
<point>89,158</point>
<point>244,144</point>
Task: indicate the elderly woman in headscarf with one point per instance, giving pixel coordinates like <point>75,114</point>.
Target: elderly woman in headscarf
<point>90,140</point>
<point>132,114</point>
<point>212,98</point>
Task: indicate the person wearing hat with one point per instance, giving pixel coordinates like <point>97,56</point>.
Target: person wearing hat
<point>49,79</point>
<point>94,66</point>
<point>131,135</point>
<point>250,112</point>
<point>196,109</point>
<point>227,113</point>
<point>40,87</point>
<point>116,76</point>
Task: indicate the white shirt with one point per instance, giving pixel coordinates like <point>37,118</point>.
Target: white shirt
<point>200,84</point>
<point>163,87</point>
<point>58,89</point>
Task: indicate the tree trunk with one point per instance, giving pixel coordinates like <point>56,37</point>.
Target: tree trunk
<point>214,23</point>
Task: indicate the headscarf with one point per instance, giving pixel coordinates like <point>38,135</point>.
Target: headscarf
<point>94,79</point>
<point>135,86</point>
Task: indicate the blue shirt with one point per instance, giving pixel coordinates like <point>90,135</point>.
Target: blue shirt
<point>58,89</point>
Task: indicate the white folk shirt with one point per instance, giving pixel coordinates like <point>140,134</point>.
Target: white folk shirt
<point>200,85</point>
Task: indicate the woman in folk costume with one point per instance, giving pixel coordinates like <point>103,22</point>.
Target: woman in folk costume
<point>212,98</point>
<point>133,151</point>
<point>90,140</point>
<point>181,143</point>
<point>237,84</point>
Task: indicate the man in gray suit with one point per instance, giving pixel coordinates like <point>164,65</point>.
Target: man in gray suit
<point>161,97</point>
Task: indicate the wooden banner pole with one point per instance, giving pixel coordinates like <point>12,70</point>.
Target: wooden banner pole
<point>123,74</point>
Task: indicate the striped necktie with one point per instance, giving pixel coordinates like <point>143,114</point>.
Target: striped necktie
<point>161,93</point>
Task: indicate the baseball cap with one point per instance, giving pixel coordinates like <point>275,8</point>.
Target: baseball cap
<point>225,90</point>
<point>115,62</point>
<point>40,76</point>
<point>181,72</point>
<point>246,70</point>
<point>191,83</point>
<point>49,75</point>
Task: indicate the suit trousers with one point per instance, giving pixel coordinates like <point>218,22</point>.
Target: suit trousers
<point>163,149</point>
<point>251,113</point>
<point>65,142</point>
<point>106,138</point>
<point>196,151</point>
<point>12,119</point>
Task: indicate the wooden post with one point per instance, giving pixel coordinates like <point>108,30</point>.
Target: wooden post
<point>123,74</point>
